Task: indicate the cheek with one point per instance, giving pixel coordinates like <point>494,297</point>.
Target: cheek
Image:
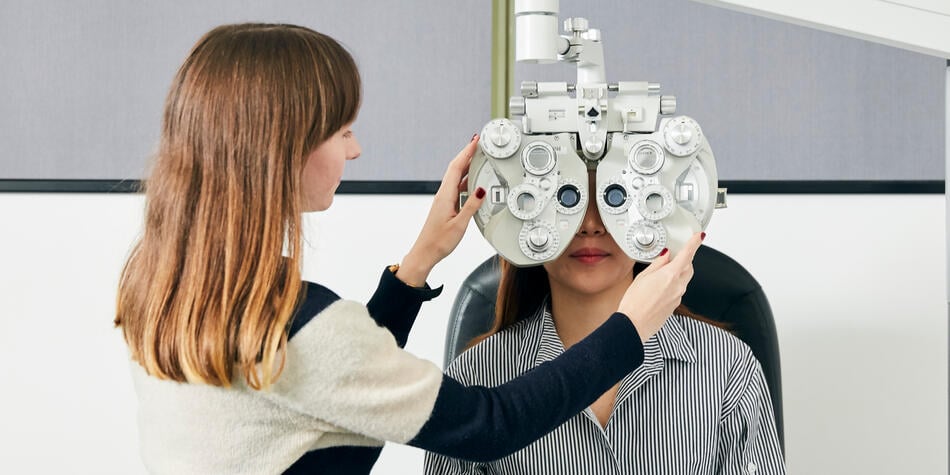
<point>560,271</point>
<point>338,166</point>
<point>321,170</point>
<point>312,173</point>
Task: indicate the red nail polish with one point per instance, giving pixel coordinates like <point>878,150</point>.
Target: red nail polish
<point>664,251</point>
<point>480,193</point>
<point>702,236</point>
<point>473,137</point>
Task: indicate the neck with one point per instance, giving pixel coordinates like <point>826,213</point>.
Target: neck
<point>578,314</point>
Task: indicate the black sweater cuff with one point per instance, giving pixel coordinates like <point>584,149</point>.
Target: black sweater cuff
<point>395,304</point>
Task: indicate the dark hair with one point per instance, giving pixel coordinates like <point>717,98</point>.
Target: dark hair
<point>522,290</point>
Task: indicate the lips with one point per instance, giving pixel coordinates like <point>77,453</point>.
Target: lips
<point>589,255</point>
<point>590,252</point>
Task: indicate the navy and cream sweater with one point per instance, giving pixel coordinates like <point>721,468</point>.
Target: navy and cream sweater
<point>347,386</point>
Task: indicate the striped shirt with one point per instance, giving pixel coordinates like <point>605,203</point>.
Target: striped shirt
<point>699,404</point>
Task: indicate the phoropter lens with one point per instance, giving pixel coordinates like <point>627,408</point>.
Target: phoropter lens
<point>568,196</point>
<point>615,196</point>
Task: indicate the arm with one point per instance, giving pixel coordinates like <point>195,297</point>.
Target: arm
<point>396,304</point>
<point>748,438</point>
<point>484,424</point>
<point>437,464</point>
<point>345,370</point>
<point>402,290</point>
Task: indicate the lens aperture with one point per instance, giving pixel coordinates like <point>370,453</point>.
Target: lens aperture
<point>615,196</point>
<point>568,196</point>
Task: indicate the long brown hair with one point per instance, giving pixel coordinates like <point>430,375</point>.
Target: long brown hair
<point>522,290</point>
<point>215,277</point>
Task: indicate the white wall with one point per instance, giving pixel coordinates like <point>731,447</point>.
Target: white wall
<point>857,284</point>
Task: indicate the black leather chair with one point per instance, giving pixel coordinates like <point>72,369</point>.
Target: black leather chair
<point>720,290</point>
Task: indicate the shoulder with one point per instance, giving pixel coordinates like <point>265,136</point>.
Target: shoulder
<point>316,299</point>
<point>723,353</point>
<point>709,340</point>
<point>494,360</point>
<point>717,348</point>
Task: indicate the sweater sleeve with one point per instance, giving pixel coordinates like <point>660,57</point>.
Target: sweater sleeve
<point>438,464</point>
<point>342,368</point>
<point>482,424</point>
<point>395,304</point>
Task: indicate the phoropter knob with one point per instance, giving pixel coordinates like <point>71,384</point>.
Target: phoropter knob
<point>667,105</point>
<point>645,239</point>
<point>500,139</point>
<point>516,105</point>
<point>538,239</point>
<point>682,136</point>
<point>576,25</point>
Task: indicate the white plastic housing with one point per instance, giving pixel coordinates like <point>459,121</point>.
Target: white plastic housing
<point>536,33</point>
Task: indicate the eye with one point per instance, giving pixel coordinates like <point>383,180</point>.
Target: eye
<point>348,134</point>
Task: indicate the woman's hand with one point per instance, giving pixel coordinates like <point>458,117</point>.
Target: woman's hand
<point>659,288</point>
<point>446,224</point>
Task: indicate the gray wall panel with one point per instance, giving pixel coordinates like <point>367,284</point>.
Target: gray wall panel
<point>777,101</point>
<point>84,81</point>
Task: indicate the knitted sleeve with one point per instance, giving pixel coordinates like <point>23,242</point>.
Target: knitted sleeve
<point>344,369</point>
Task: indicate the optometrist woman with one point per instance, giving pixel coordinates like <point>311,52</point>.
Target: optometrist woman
<point>242,367</point>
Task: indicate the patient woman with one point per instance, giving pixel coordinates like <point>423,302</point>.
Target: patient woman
<point>699,404</point>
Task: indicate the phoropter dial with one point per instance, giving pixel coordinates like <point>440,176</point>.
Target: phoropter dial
<point>682,136</point>
<point>538,158</point>
<point>500,139</point>
<point>646,240</point>
<point>646,157</point>
<point>526,201</point>
<point>539,241</point>
<point>655,202</point>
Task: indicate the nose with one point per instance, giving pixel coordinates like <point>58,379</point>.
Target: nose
<point>592,224</point>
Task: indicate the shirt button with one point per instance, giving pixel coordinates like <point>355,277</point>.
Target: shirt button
<point>752,467</point>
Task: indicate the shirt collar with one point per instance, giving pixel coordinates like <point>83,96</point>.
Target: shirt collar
<point>674,343</point>
<point>671,342</point>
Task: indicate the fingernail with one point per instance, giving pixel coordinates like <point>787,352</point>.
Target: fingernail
<point>473,137</point>
<point>702,236</point>
<point>664,251</point>
<point>480,193</point>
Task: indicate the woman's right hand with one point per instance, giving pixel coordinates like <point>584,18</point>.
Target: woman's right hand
<point>446,223</point>
<point>659,288</point>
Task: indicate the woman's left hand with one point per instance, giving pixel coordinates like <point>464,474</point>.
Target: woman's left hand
<point>446,223</point>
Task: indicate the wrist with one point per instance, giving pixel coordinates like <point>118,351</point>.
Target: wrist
<point>413,271</point>
<point>641,330</point>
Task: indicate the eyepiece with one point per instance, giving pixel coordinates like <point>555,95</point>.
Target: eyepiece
<point>568,196</point>
<point>615,196</point>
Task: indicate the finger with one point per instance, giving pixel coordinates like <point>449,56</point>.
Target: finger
<point>686,255</point>
<point>458,167</point>
<point>658,262</point>
<point>471,205</point>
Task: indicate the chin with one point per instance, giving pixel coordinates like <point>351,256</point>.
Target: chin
<point>593,289</point>
<point>318,206</point>
<point>597,281</point>
<point>590,284</point>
